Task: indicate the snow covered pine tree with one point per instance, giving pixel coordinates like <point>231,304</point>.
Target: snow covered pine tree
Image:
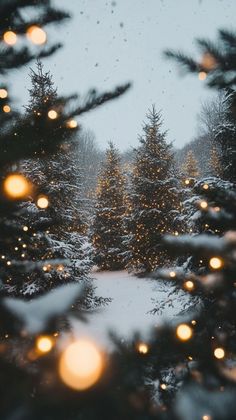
<point>154,201</point>
<point>108,228</point>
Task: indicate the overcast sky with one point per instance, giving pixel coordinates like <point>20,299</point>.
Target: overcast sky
<point>111,42</point>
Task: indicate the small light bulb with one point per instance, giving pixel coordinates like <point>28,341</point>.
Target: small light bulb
<point>189,285</point>
<point>202,75</point>
<point>36,35</point>
<point>216,263</point>
<point>52,114</point>
<point>219,353</point>
<point>72,124</point>
<point>10,37</point>
<point>16,186</point>
<point>184,332</point>
<point>142,348</point>
<point>44,344</point>
<point>203,204</point>
<point>42,202</point>
<point>6,109</point>
<point>3,93</point>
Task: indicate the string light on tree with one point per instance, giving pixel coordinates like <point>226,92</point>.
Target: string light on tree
<point>3,93</point>
<point>52,114</point>
<point>6,109</point>
<point>72,123</point>
<point>203,204</point>
<point>16,186</point>
<point>216,263</point>
<point>44,344</point>
<point>81,365</point>
<point>36,35</point>
<point>189,285</point>
<point>219,353</point>
<point>184,332</point>
<point>142,348</point>
<point>202,75</point>
<point>42,202</point>
<point>10,38</point>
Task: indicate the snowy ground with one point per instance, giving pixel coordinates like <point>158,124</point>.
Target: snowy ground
<point>132,299</point>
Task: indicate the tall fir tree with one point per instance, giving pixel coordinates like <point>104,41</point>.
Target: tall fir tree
<point>108,227</point>
<point>215,166</point>
<point>190,166</point>
<point>154,202</point>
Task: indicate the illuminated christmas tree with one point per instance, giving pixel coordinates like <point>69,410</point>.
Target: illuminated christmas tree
<point>190,166</point>
<point>108,227</point>
<point>154,203</point>
<point>215,167</point>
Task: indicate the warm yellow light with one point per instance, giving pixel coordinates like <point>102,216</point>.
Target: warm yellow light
<point>16,186</point>
<point>216,263</point>
<point>219,353</point>
<point>6,108</point>
<point>52,114</point>
<point>203,204</point>
<point>205,186</point>
<point>172,274</point>
<point>42,202</point>
<point>36,35</point>
<point>189,285</point>
<point>72,124</point>
<point>206,417</point>
<point>187,181</point>
<point>25,228</point>
<point>202,75</point>
<point>142,348</point>
<point>81,365</point>
<point>163,386</point>
<point>10,37</point>
<point>44,344</point>
<point>3,93</point>
<point>184,332</point>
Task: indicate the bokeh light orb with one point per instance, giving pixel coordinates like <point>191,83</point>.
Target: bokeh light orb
<point>81,365</point>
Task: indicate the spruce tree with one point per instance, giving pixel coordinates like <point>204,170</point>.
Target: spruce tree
<point>154,202</point>
<point>215,166</point>
<point>190,166</point>
<point>108,227</point>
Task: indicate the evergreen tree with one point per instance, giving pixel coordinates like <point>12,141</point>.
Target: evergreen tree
<point>154,201</point>
<point>215,167</point>
<point>190,166</point>
<point>226,137</point>
<point>108,228</point>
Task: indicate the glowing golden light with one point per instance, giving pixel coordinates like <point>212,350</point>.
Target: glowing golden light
<point>72,124</point>
<point>184,332</point>
<point>81,365</point>
<point>42,202</point>
<point>10,37</point>
<point>187,181</point>
<point>205,186</point>
<point>189,285</point>
<point>36,35</point>
<point>206,417</point>
<point>142,348</point>
<point>52,114</point>
<point>202,75</point>
<point>219,353</point>
<point>16,186</point>
<point>163,386</point>
<point>6,108</point>
<point>203,204</point>
<point>208,61</point>
<point>3,93</point>
<point>44,344</point>
<point>172,274</point>
<point>25,228</point>
<point>216,263</point>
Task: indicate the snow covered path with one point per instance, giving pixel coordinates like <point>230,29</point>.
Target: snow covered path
<point>132,299</point>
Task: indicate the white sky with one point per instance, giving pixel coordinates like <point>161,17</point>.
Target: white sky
<point>111,42</point>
